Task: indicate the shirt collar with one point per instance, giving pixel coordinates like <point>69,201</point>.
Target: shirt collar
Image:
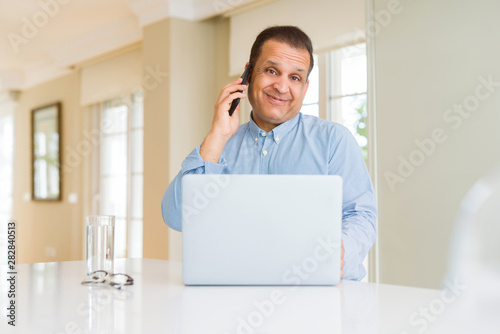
<point>278,132</point>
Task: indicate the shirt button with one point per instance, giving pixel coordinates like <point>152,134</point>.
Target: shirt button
<point>264,152</point>
<point>256,138</point>
<point>277,138</point>
<point>263,134</point>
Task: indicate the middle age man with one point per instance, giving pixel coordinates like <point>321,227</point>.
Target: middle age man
<point>280,140</point>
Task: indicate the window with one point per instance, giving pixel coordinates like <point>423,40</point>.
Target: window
<point>310,106</point>
<point>117,170</point>
<point>347,95</point>
<point>6,174</point>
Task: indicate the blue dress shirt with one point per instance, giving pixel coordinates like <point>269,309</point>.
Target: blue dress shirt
<point>303,145</point>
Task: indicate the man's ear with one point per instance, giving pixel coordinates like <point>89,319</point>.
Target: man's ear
<point>307,86</point>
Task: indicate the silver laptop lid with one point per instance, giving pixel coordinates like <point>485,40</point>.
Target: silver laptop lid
<point>261,229</point>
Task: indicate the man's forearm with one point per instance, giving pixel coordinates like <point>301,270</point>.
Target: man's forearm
<point>358,236</point>
<point>171,204</point>
<point>212,147</point>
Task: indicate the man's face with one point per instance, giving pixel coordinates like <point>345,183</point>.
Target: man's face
<point>278,84</point>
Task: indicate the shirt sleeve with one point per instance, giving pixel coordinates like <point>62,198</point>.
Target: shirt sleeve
<point>171,203</point>
<point>359,210</point>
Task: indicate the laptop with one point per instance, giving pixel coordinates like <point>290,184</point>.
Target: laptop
<point>261,229</point>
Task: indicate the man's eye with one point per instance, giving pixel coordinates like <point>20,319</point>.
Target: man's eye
<point>270,70</point>
<point>295,78</point>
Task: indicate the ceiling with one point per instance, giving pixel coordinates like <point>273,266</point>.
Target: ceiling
<point>43,39</point>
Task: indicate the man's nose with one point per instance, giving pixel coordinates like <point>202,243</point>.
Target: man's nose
<point>281,84</point>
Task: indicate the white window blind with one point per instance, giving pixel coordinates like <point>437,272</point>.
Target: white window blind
<point>347,96</point>
<point>117,169</point>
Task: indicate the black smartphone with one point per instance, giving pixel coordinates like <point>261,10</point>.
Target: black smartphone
<point>245,76</point>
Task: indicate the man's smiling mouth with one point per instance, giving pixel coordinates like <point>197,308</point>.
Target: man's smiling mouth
<point>276,99</point>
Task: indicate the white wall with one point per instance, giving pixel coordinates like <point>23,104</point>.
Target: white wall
<point>429,58</point>
<point>192,93</point>
<point>49,231</point>
<point>192,96</point>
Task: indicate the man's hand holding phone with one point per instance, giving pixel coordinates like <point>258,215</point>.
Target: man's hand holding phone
<point>223,125</point>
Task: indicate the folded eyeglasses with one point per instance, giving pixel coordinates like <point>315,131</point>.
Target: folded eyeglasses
<point>117,281</point>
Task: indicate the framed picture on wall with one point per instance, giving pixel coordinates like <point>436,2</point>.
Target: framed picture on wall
<point>46,153</point>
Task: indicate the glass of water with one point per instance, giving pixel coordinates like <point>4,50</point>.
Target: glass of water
<point>100,243</point>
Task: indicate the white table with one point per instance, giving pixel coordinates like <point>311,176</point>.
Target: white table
<point>51,300</point>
